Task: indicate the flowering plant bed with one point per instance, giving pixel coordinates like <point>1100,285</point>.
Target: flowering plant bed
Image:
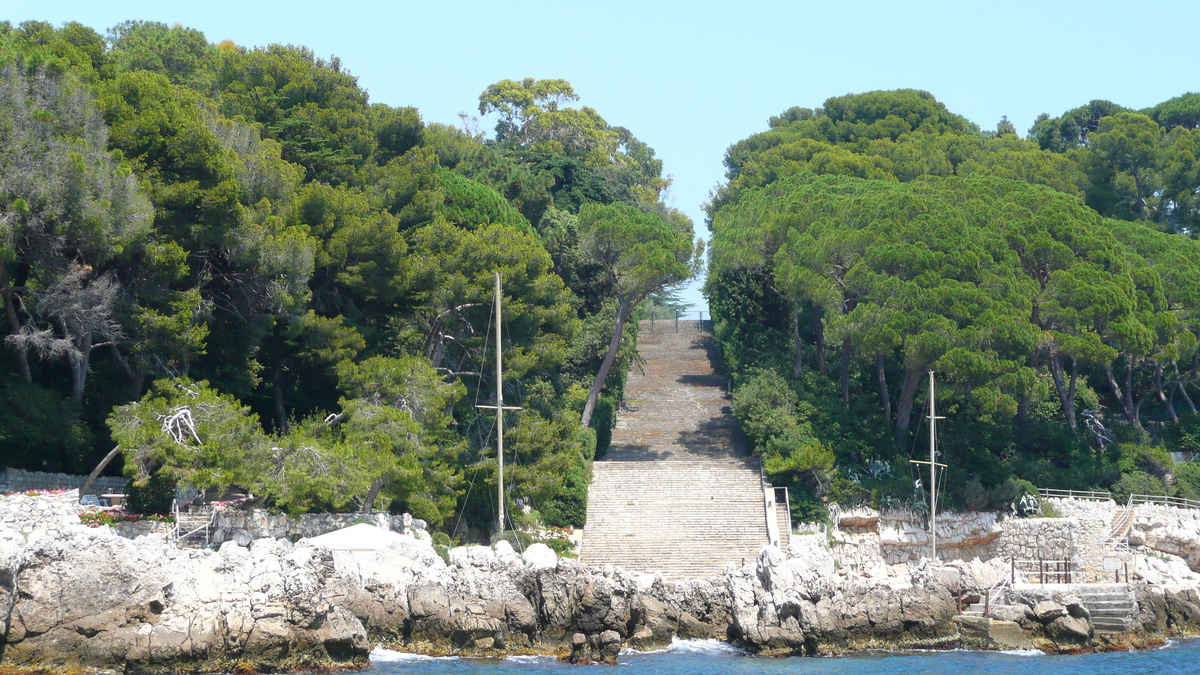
<point>558,539</point>
<point>36,493</point>
<point>220,507</point>
<point>98,518</point>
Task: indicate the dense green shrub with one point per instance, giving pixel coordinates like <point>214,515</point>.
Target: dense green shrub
<point>1138,482</point>
<point>519,540</point>
<point>1187,480</point>
<point>156,496</point>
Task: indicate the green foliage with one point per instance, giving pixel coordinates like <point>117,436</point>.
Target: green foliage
<point>860,245</point>
<point>182,54</point>
<point>1187,480</point>
<point>1140,483</point>
<point>191,433</point>
<point>155,496</point>
<point>519,540</point>
<point>40,429</point>
<point>248,217</point>
<point>469,203</point>
<point>98,518</point>
<point>1153,460</point>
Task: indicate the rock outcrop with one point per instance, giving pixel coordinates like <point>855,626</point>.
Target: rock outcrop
<point>77,598</point>
<point>88,599</point>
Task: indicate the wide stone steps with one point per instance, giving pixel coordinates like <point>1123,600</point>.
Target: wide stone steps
<point>676,493</point>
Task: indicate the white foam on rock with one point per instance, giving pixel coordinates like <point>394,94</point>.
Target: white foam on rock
<point>381,655</point>
<point>679,646</point>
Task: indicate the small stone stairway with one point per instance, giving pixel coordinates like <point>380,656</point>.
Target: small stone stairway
<point>781,524</point>
<point>677,493</point>
<point>1113,607</point>
<point>977,608</point>
<point>192,529</point>
<point>1118,530</point>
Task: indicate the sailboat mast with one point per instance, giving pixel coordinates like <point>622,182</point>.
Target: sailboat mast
<point>499,416</point>
<point>932,471</point>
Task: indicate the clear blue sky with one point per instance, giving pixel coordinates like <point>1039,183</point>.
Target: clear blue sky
<point>691,78</point>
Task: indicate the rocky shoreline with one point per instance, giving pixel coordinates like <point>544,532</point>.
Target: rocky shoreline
<point>83,599</point>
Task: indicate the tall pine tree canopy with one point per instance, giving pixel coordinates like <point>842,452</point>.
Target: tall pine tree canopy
<point>226,266</point>
<point>1049,282</point>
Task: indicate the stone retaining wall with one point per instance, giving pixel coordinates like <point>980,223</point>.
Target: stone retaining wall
<point>1080,540</point>
<point>1168,529</point>
<point>54,512</point>
<point>19,480</point>
<point>244,527</point>
<point>50,513</point>
<point>868,538</point>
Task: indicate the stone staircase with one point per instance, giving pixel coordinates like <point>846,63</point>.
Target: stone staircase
<point>1118,529</point>
<point>194,527</point>
<point>782,525</point>
<point>677,493</point>
<point>1113,608</point>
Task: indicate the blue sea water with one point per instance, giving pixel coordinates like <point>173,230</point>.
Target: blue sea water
<point>712,658</point>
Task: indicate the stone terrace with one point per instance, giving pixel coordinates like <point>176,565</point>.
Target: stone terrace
<point>677,492</point>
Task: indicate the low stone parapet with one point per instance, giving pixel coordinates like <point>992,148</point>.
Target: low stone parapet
<point>244,527</point>
<point>48,512</point>
<point>19,480</point>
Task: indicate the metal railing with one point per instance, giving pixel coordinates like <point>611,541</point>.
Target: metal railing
<point>668,320</point>
<point>995,590</point>
<point>175,533</point>
<point>1118,529</point>
<point>1041,571</point>
<point>787,507</point>
<point>768,507</point>
<point>1162,500</point>
<point>1094,495</point>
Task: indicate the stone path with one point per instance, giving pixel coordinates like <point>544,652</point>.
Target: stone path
<point>677,492</point>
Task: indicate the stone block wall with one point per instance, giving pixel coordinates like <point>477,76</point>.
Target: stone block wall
<point>133,530</point>
<point>1083,508</point>
<point>868,537</point>
<point>1168,529</point>
<point>19,480</point>
<point>49,513</point>
<point>1080,540</point>
<point>246,526</point>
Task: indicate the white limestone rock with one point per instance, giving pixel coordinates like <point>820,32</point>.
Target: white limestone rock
<point>540,557</point>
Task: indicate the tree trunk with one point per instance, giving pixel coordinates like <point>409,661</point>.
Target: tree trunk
<point>14,324</point>
<point>1122,396</point>
<point>372,494</point>
<point>818,325</point>
<point>845,378</point>
<point>1162,396</point>
<point>1186,399</point>
<point>136,378</point>
<point>281,422</point>
<point>1182,390</point>
<point>798,364</point>
<point>1066,393</point>
<point>881,374</point>
<point>614,346</point>
<point>79,368</point>
<point>908,393</point>
<point>87,483</point>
